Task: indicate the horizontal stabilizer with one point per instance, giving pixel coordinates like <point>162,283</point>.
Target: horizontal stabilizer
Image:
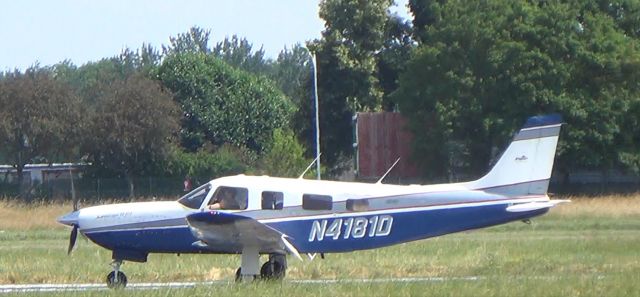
<point>534,205</point>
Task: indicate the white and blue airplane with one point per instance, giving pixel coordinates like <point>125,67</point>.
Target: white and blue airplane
<point>254,215</point>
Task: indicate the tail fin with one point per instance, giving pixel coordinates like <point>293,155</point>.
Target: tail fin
<point>525,167</point>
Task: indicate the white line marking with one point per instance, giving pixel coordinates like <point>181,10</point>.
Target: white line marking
<point>27,288</point>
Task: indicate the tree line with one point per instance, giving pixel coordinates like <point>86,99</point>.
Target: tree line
<point>465,74</point>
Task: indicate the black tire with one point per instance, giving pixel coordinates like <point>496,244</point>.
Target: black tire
<point>238,275</point>
<point>120,283</point>
<point>272,270</point>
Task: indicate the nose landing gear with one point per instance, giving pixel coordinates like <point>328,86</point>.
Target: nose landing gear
<point>116,279</point>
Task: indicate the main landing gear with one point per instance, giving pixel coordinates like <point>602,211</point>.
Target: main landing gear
<point>116,279</point>
<point>272,270</point>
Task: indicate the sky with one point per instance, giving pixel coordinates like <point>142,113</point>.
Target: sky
<point>48,32</point>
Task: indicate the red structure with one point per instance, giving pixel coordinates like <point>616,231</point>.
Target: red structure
<point>381,139</point>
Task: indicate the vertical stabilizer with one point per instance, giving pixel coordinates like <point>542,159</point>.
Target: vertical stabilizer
<point>525,166</point>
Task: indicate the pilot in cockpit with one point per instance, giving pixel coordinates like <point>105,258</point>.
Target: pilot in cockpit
<point>224,198</point>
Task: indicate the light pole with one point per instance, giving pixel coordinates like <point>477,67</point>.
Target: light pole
<point>315,95</point>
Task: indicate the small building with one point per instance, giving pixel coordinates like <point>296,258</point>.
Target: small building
<point>380,139</point>
<point>41,173</point>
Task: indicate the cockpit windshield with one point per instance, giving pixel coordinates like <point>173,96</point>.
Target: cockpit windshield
<point>194,198</point>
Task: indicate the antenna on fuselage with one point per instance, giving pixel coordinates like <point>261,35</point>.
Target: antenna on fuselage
<point>389,170</point>
<point>309,167</point>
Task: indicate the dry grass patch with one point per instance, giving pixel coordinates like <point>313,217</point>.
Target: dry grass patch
<point>39,215</point>
<point>610,206</point>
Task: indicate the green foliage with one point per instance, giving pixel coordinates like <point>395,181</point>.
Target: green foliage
<point>227,160</point>
<point>221,104</point>
<point>194,41</point>
<point>131,126</point>
<point>41,119</point>
<point>238,53</point>
<point>393,57</point>
<point>348,78</point>
<point>485,66</point>
<point>88,80</point>
<point>355,31</point>
<point>293,72</point>
<point>285,156</point>
<point>426,13</point>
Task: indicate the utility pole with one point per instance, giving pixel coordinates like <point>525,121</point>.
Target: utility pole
<point>315,95</point>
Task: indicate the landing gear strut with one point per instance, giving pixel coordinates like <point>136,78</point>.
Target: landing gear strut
<point>116,279</point>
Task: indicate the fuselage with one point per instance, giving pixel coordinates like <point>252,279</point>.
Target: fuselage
<point>317,216</point>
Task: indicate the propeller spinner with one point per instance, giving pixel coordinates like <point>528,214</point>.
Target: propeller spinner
<point>71,219</point>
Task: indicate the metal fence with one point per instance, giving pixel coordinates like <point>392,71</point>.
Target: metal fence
<point>88,188</point>
<point>95,189</point>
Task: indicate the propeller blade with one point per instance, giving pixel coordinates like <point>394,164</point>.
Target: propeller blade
<point>72,238</point>
<point>73,191</point>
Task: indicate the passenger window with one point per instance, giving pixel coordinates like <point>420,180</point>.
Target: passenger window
<point>231,198</point>
<point>272,200</point>
<point>195,198</point>
<point>357,204</point>
<point>317,202</point>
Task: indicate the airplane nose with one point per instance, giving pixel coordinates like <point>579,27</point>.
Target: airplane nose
<point>70,219</point>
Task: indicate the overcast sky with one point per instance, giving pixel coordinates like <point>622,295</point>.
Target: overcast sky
<point>79,30</point>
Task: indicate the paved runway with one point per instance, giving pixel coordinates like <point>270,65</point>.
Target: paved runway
<point>24,288</point>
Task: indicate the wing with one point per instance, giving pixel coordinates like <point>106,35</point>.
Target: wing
<point>227,232</point>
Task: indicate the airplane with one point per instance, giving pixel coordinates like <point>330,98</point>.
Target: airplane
<point>261,215</point>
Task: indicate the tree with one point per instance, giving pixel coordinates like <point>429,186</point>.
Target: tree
<point>131,127</point>
<point>392,58</point>
<point>194,41</point>
<point>285,156</point>
<point>354,32</point>
<point>624,13</point>
<point>238,53</point>
<point>40,120</point>
<point>221,104</point>
<point>293,73</point>
<point>292,70</point>
<point>426,13</point>
<point>347,69</point>
<point>486,66</point>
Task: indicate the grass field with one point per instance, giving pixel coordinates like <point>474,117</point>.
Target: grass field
<point>590,247</point>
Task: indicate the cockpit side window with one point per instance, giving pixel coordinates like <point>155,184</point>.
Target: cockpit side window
<point>195,198</point>
<point>231,198</point>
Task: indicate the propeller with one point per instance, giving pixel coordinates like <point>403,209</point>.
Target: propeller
<point>74,232</point>
<point>72,238</point>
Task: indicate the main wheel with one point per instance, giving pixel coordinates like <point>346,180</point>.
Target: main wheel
<point>272,270</point>
<point>119,283</point>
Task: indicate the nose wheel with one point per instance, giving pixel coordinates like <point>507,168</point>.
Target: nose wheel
<point>116,279</point>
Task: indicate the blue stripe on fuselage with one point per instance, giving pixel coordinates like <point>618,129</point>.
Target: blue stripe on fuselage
<point>406,226</point>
